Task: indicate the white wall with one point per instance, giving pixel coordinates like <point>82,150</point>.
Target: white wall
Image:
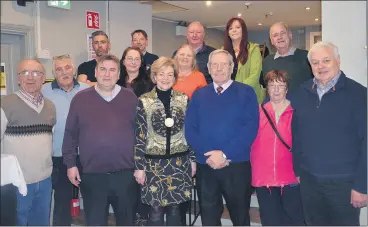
<point>165,41</point>
<point>344,24</point>
<point>65,32</point>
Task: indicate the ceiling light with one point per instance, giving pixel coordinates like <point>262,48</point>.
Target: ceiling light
<point>208,3</point>
<point>259,24</point>
<point>307,8</point>
<point>239,14</point>
<point>316,19</point>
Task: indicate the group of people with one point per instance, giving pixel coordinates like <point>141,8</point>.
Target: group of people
<point>133,132</point>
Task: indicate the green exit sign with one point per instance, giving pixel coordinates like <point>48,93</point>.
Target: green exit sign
<point>59,4</point>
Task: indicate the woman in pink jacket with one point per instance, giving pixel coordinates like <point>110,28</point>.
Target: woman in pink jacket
<point>273,177</point>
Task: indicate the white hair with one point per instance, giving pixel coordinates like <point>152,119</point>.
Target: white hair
<point>219,51</point>
<point>323,44</point>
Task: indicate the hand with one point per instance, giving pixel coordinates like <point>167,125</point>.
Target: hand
<point>358,200</point>
<point>224,164</point>
<point>215,159</point>
<point>73,175</point>
<point>194,168</point>
<point>140,176</point>
<point>298,179</point>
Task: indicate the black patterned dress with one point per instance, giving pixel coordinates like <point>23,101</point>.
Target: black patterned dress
<point>163,151</point>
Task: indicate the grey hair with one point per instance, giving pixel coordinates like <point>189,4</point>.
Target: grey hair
<point>221,51</point>
<point>31,59</point>
<point>323,44</point>
<point>60,58</point>
<point>96,33</point>
<point>282,24</point>
<point>108,57</point>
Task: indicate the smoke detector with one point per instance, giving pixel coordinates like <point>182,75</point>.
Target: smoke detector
<point>247,4</point>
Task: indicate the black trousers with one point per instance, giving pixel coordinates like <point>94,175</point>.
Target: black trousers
<point>100,190</point>
<point>8,205</point>
<point>63,192</point>
<point>280,206</point>
<point>234,184</point>
<point>173,216</point>
<point>327,201</point>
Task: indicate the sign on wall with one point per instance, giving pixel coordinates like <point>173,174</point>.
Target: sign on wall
<point>3,79</point>
<point>92,20</point>
<point>91,52</point>
<point>59,4</point>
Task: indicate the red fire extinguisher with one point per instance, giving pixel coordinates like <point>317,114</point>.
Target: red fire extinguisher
<point>74,203</point>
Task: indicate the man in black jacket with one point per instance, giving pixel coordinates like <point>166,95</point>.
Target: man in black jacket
<point>330,141</point>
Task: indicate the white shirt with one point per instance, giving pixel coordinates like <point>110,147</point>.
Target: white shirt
<point>224,86</point>
<point>114,93</point>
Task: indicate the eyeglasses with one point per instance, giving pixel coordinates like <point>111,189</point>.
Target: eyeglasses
<point>130,60</point>
<point>32,73</point>
<point>273,87</point>
<point>222,64</point>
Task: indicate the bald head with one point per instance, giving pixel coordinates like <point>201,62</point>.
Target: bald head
<point>30,61</point>
<point>195,34</point>
<point>281,37</point>
<point>31,76</point>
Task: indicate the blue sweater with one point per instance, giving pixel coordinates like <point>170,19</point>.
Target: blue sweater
<point>330,136</point>
<point>226,122</point>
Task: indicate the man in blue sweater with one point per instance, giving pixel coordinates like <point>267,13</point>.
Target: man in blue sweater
<point>221,124</point>
<point>330,141</point>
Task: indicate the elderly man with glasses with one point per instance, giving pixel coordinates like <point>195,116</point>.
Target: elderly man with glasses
<point>61,92</point>
<point>27,121</point>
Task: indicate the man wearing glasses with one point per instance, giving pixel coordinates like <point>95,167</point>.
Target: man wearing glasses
<point>221,124</point>
<point>61,92</point>
<point>27,121</point>
<point>101,46</point>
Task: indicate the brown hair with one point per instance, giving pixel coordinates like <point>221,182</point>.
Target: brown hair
<point>228,43</point>
<point>277,75</point>
<point>108,57</point>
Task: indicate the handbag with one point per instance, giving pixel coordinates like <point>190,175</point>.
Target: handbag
<point>275,129</point>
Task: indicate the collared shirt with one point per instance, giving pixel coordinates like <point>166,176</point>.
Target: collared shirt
<point>114,93</point>
<point>61,100</point>
<point>290,52</point>
<point>37,102</point>
<point>321,90</point>
<point>55,85</point>
<point>224,86</point>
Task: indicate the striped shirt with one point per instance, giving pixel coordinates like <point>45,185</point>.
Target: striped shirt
<point>321,90</point>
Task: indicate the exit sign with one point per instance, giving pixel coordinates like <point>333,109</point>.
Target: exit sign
<point>59,4</point>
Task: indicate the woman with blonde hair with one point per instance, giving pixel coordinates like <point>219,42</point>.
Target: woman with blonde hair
<point>164,163</point>
<point>189,77</point>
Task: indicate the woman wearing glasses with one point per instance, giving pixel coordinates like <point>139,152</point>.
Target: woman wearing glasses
<point>247,56</point>
<point>273,176</point>
<point>133,74</point>
<point>164,163</point>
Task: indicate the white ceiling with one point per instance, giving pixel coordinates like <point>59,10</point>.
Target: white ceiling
<point>292,13</point>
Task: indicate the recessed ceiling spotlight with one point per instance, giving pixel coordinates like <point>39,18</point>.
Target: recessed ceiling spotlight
<point>208,3</point>
<point>259,24</point>
<point>316,19</point>
<point>239,14</point>
<point>307,8</point>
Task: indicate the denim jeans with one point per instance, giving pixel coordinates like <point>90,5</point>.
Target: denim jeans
<point>34,208</point>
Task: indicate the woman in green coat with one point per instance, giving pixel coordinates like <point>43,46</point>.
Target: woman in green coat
<point>247,56</point>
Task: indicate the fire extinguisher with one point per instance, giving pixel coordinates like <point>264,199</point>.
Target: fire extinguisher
<point>74,203</point>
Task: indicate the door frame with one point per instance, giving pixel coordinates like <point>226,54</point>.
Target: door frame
<point>26,32</point>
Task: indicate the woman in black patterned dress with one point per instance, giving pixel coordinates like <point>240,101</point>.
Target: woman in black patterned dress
<point>164,163</point>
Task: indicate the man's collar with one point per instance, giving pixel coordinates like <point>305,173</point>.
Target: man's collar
<point>197,50</point>
<point>330,84</point>
<point>290,52</point>
<point>55,85</point>
<point>144,53</point>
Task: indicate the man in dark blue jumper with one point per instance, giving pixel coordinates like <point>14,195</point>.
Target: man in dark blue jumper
<point>221,124</point>
<point>330,141</point>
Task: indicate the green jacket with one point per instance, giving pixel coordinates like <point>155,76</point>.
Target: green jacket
<point>250,72</point>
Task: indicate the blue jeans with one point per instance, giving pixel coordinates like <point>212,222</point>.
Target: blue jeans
<point>34,208</point>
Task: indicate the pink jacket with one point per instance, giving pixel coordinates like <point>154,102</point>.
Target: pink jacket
<point>271,161</point>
